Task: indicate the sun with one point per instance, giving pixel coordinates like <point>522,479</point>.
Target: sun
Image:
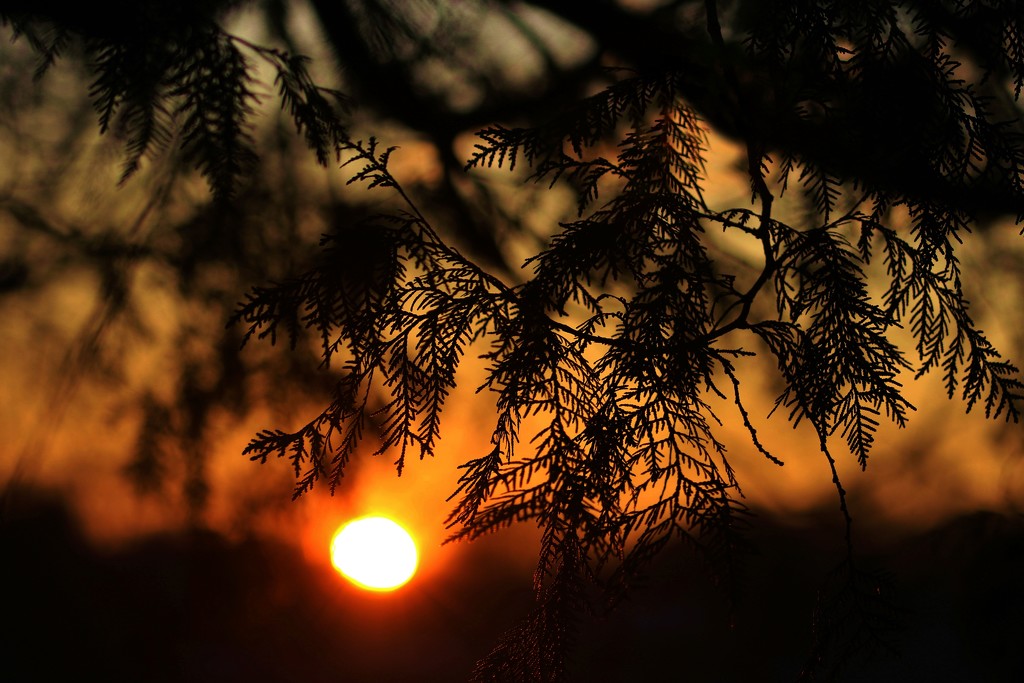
<point>374,553</point>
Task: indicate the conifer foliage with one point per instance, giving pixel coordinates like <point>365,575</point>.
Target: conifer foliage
<point>884,121</point>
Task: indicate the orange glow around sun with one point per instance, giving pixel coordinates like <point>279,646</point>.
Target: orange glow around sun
<point>374,553</point>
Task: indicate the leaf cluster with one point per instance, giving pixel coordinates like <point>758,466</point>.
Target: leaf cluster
<point>887,96</point>
<point>616,347</point>
<point>179,80</point>
<point>398,317</point>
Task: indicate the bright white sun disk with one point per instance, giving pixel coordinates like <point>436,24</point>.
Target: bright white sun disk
<point>374,553</point>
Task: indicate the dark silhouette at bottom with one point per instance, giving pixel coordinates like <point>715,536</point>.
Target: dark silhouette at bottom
<point>196,607</point>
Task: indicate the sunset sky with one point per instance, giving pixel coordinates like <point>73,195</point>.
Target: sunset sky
<point>186,555</point>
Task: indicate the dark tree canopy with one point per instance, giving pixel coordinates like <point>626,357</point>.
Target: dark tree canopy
<point>878,137</point>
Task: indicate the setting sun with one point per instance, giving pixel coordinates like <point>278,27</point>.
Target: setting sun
<point>374,553</point>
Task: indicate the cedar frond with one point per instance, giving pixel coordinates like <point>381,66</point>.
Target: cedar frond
<point>215,100</point>
<point>855,617</point>
<point>846,376</point>
<point>315,110</point>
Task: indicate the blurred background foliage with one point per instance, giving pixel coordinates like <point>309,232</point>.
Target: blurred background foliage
<point>116,293</point>
<point>120,288</point>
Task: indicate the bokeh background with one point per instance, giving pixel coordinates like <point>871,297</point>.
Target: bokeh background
<point>140,544</point>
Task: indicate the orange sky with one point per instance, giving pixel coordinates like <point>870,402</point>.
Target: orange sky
<point>943,464</point>
<point>73,435</point>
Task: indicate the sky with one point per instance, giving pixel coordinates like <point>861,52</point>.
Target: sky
<point>119,578</point>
